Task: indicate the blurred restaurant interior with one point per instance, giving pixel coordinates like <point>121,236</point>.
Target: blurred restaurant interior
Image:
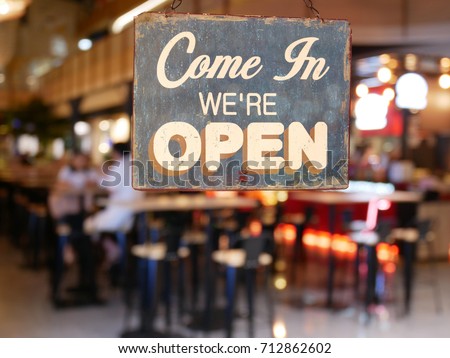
<point>368,261</point>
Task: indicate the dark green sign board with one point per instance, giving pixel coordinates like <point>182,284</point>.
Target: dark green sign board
<point>240,103</point>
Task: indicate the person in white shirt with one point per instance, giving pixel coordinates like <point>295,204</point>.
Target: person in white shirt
<point>69,197</point>
<point>115,217</point>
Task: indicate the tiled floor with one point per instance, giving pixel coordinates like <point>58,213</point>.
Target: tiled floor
<point>25,311</point>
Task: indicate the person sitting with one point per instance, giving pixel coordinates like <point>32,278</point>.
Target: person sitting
<point>115,217</point>
<point>69,201</point>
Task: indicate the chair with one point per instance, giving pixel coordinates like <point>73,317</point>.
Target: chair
<point>166,253</point>
<point>248,258</point>
<point>409,237</point>
<point>368,234</point>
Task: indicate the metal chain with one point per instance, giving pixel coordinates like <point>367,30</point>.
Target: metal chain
<point>175,4</point>
<point>309,4</point>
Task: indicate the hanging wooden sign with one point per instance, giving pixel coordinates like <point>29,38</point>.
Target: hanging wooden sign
<point>237,103</point>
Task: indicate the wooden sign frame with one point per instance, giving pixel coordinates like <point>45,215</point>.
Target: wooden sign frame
<point>240,103</point>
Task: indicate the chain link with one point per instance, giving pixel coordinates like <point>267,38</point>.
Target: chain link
<point>175,4</point>
<point>309,4</point>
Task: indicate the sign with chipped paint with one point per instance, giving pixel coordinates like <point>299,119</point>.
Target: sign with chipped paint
<point>240,103</point>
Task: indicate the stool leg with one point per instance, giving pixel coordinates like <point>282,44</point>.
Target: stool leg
<point>122,241</point>
<point>149,295</point>
<point>32,239</point>
<point>250,278</point>
<point>39,240</point>
<point>231,293</point>
<point>168,292</point>
<point>194,275</point>
<point>435,277</point>
<point>210,275</point>
<point>269,298</point>
<point>59,267</point>
<point>356,271</point>
<point>181,287</point>
<point>371,275</point>
<point>409,251</point>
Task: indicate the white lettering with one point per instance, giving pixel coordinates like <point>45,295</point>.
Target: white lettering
<point>187,137</point>
<point>222,140</point>
<point>299,144</point>
<point>221,67</point>
<point>312,63</point>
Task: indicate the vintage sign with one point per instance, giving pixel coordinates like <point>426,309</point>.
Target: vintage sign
<point>227,102</point>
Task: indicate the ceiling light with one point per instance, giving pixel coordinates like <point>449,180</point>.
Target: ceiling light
<point>120,131</point>
<point>85,44</point>
<point>104,125</point>
<point>384,59</point>
<point>4,7</point>
<point>445,63</point>
<point>444,81</point>
<point>10,9</point>
<point>389,94</point>
<point>82,128</point>
<point>362,90</point>
<point>384,74</point>
<point>412,90</point>
<point>126,18</point>
<point>371,111</point>
<point>410,62</point>
<point>103,148</point>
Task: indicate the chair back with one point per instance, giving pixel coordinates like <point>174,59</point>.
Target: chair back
<point>253,247</point>
<point>424,227</point>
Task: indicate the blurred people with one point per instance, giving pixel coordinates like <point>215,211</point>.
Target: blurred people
<point>69,199</point>
<point>115,217</point>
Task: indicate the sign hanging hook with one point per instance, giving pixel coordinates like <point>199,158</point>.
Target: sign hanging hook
<point>309,4</point>
<point>175,4</point>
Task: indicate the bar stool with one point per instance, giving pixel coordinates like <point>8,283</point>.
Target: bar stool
<point>70,229</point>
<point>195,240</point>
<point>368,234</point>
<point>20,213</point>
<point>121,235</point>
<point>166,253</point>
<point>37,226</point>
<point>409,238</point>
<point>300,221</point>
<point>63,232</point>
<point>249,258</point>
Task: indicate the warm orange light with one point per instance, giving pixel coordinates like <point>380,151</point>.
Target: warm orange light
<point>323,240</point>
<point>309,238</point>
<point>389,267</point>
<point>394,250</point>
<point>280,283</point>
<point>383,252</point>
<point>343,246</point>
<point>286,232</point>
<point>387,253</point>
<point>352,249</point>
